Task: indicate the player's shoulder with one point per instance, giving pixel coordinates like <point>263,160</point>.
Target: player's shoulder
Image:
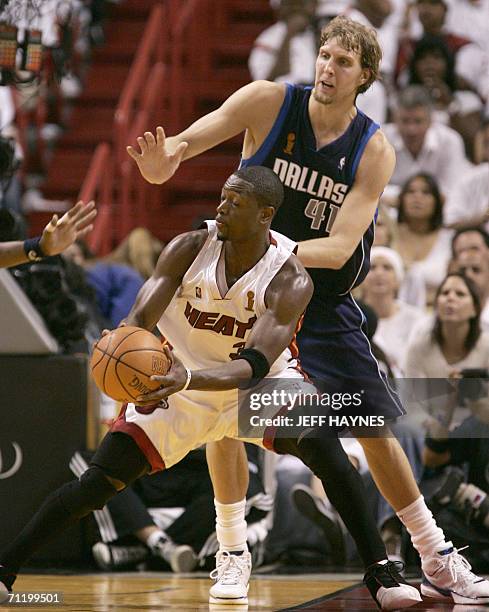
<point>265,92</point>
<point>294,278</point>
<point>378,154</point>
<point>189,243</point>
<point>379,144</point>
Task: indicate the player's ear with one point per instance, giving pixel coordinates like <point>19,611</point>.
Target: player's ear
<point>365,76</point>
<point>267,213</point>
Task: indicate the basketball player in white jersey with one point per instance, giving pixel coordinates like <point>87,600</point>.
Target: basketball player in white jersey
<point>230,299</point>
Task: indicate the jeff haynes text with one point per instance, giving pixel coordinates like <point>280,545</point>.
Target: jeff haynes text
<point>317,420</point>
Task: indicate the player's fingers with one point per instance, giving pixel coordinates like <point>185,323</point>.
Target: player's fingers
<point>168,353</point>
<point>51,226</point>
<point>149,398</point>
<point>84,232</point>
<point>142,144</point>
<point>147,404</point>
<point>177,157</point>
<point>105,332</point>
<point>133,153</point>
<point>160,137</point>
<point>85,220</point>
<point>163,380</point>
<point>74,210</point>
<point>150,140</point>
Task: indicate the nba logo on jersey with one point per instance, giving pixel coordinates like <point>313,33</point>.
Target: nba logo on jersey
<point>198,292</point>
<point>342,163</point>
<point>290,143</point>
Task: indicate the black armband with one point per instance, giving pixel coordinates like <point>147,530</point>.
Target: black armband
<point>259,365</point>
<point>437,446</point>
<point>32,248</point>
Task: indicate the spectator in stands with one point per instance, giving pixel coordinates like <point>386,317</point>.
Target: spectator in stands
<point>432,65</point>
<point>469,57</point>
<point>422,145</point>
<point>287,50</point>
<point>385,227</point>
<point>454,342</point>
<point>472,259</point>
<point>468,203</point>
<point>469,19</point>
<point>473,240</point>
<point>422,242</point>
<point>170,516</point>
<point>458,428</point>
<point>139,250</point>
<point>396,319</point>
<point>116,286</point>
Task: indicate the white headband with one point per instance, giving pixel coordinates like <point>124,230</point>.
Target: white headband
<point>392,257</point>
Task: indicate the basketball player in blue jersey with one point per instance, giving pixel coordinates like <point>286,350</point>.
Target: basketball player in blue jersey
<point>334,162</point>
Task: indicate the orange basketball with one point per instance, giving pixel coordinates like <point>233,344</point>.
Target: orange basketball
<point>123,361</point>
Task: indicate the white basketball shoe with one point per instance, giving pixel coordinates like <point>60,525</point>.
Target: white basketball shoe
<point>448,575</point>
<point>232,575</point>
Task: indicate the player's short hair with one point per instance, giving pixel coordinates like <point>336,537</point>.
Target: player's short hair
<point>267,188</point>
<point>354,36</point>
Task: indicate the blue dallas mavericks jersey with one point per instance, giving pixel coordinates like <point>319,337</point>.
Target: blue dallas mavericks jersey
<point>316,183</point>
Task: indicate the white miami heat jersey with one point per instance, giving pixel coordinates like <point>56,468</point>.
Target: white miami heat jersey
<point>207,329</point>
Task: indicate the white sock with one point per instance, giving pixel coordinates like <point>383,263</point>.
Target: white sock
<point>426,536</point>
<point>231,528</point>
<point>155,537</point>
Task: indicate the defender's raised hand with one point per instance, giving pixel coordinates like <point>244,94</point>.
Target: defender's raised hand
<point>73,225</point>
<point>155,162</point>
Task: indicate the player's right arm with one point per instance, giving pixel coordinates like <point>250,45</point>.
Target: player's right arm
<point>158,291</point>
<point>159,158</point>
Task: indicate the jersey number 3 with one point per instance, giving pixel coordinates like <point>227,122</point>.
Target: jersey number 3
<point>318,211</point>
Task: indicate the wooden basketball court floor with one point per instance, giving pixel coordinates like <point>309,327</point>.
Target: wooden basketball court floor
<point>162,592</point>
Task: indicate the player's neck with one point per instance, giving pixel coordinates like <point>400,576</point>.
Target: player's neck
<point>330,121</point>
<point>240,257</point>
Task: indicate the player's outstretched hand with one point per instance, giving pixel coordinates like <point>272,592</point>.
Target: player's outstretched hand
<point>154,161</point>
<point>73,225</point>
<point>173,382</point>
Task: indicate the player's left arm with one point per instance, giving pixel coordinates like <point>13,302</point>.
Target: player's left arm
<point>286,298</point>
<point>357,211</point>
